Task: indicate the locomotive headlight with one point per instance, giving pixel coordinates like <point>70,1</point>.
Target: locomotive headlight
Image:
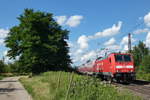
<point>129,66</point>
<point>119,66</point>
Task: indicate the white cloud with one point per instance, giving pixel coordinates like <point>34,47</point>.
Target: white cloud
<point>70,54</point>
<point>6,58</point>
<point>88,56</point>
<point>125,48</point>
<point>70,44</point>
<point>83,39</point>
<point>76,58</point>
<point>3,33</point>
<point>124,43</point>
<point>139,31</point>
<point>61,19</point>
<point>83,42</point>
<point>79,51</point>
<point>5,53</point>
<point>74,21</point>
<point>125,40</point>
<point>148,40</point>
<point>1,41</point>
<point>110,42</point>
<point>115,29</point>
<point>147,19</point>
<point>113,47</point>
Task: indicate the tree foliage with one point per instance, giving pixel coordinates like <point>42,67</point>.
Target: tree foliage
<point>139,52</point>
<point>39,43</point>
<point>145,64</point>
<point>2,66</point>
<point>141,57</point>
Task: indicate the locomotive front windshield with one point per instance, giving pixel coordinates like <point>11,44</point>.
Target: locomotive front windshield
<point>123,58</point>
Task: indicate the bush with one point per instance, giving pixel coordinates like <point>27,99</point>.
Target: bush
<point>2,67</point>
<point>1,77</point>
<point>143,76</point>
<point>145,65</point>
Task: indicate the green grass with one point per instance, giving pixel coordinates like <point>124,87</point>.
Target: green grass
<point>1,77</point>
<point>143,76</point>
<point>47,86</point>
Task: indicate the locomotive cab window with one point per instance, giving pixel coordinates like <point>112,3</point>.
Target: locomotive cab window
<point>121,58</point>
<point>127,58</point>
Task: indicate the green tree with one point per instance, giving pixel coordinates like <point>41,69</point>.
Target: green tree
<point>39,42</point>
<point>145,65</point>
<point>139,52</point>
<point>2,66</point>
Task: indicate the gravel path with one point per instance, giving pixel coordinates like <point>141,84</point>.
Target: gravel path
<point>139,87</point>
<point>12,89</point>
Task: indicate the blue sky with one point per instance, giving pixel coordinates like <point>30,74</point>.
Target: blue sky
<point>93,24</point>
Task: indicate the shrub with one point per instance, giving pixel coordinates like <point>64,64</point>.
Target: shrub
<point>145,65</point>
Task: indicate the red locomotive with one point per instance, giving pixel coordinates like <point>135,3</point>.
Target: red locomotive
<point>116,66</point>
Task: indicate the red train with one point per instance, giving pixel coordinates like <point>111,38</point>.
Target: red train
<point>116,66</point>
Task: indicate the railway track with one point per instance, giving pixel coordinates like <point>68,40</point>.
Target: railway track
<point>139,87</point>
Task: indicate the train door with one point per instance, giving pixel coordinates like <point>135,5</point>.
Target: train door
<point>107,65</point>
<point>107,69</point>
<point>110,64</point>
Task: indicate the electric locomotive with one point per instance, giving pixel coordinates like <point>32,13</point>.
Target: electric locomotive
<point>116,66</point>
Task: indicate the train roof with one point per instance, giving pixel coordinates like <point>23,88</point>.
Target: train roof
<point>101,58</point>
<point>119,54</point>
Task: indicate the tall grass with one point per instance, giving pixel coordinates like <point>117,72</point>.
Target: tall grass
<point>143,76</point>
<point>70,86</point>
<point>1,77</point>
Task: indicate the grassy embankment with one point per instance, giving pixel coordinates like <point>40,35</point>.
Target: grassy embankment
<point>1,77</point>
<point>143,76</point>
<point>68,86</point>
